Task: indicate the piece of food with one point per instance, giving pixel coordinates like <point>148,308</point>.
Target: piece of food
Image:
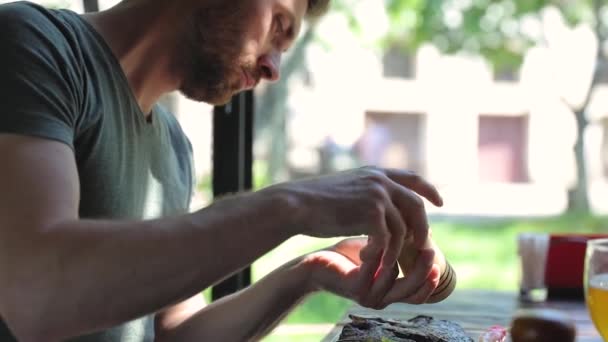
<point>419,329</point>
<point>494,334</point>
<point>447,280</point>
<point>542,325</point>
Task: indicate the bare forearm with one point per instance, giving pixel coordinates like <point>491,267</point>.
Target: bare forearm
<point>249,314</point>
<point>88,275</point>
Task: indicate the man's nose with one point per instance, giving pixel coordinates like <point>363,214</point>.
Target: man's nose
<point>269,65</point>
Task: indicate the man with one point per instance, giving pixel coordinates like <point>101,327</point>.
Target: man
<point>95,238</point>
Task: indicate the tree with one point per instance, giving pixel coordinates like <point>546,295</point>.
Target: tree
<point>271,107</point>
<point>490,28</point>
<point>493,29</point>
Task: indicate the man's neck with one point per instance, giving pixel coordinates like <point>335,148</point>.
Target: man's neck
<point>139,35</point>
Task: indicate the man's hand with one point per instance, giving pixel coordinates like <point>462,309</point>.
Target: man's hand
<point>381,203</point>
<point>340,270</point>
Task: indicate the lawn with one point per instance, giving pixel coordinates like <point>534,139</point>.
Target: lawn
<point>482,252</point>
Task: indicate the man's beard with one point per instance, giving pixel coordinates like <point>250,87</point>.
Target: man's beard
<point>209,56</point>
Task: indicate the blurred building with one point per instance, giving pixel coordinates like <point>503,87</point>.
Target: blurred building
<point>495,145</point>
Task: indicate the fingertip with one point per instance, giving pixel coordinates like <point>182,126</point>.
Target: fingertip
<point>433,196</point>
<point>439,201</point>
<point>434,274</point>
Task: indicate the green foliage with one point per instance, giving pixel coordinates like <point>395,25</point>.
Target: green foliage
<point>205,185</point>
<point>491,28</point>
<point>345,7</point>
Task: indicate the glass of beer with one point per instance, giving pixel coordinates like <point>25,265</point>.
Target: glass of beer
<point>596,284</point>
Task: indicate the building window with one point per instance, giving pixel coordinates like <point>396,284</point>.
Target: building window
<point>503,144</point>
<point>398,63</point>
<point>506,74</point>
<point>394,140</point>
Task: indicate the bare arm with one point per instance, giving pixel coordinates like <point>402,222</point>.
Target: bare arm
<point>61,276</point>
<point>246,315</point>
<point>252,313</point>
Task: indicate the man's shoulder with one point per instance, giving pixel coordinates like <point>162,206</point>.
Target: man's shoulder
<point>33,35</point>
<point>15,14</point>
<point>27,23</point>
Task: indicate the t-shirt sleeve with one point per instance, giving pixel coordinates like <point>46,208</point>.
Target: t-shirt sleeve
<point>38,88</point>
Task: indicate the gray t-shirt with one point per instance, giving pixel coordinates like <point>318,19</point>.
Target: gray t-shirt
<point>60,81</point>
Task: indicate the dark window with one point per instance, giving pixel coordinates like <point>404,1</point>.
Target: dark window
<point>397,62</point>
<point>506,74</point>
<point>503,144</point>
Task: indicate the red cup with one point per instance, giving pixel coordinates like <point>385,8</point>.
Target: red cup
<point>565,266</point>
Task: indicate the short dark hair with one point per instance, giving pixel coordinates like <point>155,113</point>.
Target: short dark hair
<point>316,8</point>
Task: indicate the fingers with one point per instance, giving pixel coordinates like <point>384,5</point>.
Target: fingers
<point>372,250</point>
<point>397,228</point>
<point>426,290</point>
<point>378,289</point>
<point>403,189</point>
<point>408,286</point>
<point>418,184</point>
<point>367,272</point>
<point>382,284</point>
<point>389,237</point>
<point>412,210</point>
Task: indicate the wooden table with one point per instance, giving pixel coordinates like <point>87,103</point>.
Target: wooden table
<point>476,311</point>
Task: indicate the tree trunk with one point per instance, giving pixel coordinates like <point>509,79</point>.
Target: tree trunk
<point>91,5</point>
<point>271,121</point>
<point>578,195</point>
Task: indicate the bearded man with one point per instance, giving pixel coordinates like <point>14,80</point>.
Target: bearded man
<point>96,241</point>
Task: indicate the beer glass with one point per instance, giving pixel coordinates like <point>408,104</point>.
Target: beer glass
<point>596,284</point>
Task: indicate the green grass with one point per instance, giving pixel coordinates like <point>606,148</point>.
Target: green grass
<point>483,254</point>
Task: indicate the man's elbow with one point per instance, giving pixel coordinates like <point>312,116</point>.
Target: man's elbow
<point>28,319</point>
<point>166,335</point>
<point>26,328</point>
